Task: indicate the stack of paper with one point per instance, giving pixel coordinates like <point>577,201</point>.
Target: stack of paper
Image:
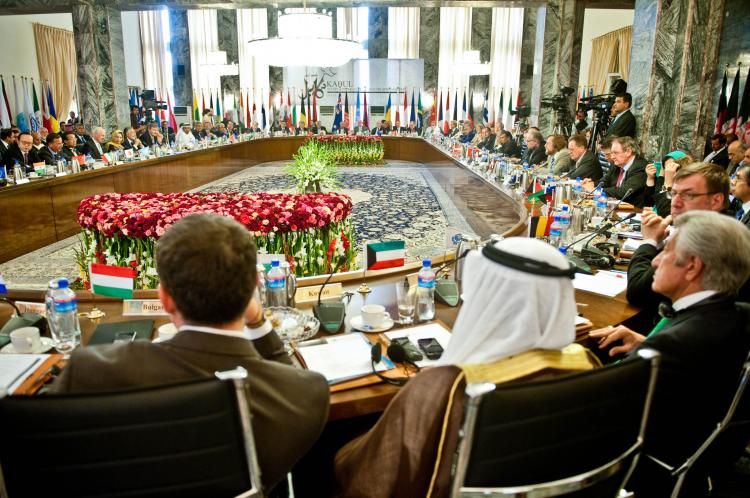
<point>341,357</point>
<point>631,244</point>
<point>15,368</point>
<point>431,330</point>
<point>604,282</point>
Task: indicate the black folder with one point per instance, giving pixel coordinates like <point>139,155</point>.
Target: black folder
<point>106,333</point>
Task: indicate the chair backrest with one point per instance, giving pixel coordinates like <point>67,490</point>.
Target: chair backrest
<point>578,435</point>
<point>186,440</point>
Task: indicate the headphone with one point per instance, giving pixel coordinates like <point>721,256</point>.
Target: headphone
<point>525,264</point>
<point>397,353</point>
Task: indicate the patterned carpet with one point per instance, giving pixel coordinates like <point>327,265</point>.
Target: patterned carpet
<point>397,201</point>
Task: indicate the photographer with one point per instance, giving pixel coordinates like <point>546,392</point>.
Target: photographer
<point>623,122</point>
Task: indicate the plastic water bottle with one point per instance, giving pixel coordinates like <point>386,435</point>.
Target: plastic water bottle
<point>556,232</point>
<point>601,205</point>
<point>550,185</point>
<point>577,188</point>
<point>89,161</point>
<point>65,328</point>
<point>49,305</point>
<point>276,285</point>
<point>565,221</point>
<point>426,291</point>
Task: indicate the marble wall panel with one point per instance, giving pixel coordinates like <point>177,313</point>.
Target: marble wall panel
<point>549,63</point>
<point>641,55</point>
<point>377,44</point>
<point>429,44</point>
<point>528,43</point>
<point>179,46</point>
<point>226,20</point>
<point>481,31</point>
<point>536,83</point>
<point>275,73</point>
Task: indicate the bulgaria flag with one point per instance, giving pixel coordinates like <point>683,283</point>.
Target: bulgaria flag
<point>382,255</point>
<point>112,281</point>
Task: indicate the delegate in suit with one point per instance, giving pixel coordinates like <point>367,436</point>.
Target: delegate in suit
<point>627,180</point>
<point>703,340</point>
<point>585,163</point>
<point>220,327</point>
<point>623,124</point>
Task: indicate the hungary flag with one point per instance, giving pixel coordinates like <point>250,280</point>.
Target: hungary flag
<point>382,255</point>
<point>112,281</point>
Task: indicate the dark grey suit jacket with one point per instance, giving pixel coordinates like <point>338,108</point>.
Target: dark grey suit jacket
<point>624,126</point>
<point>587,167</point>
<point>635,180</point>
<point>289,405</point>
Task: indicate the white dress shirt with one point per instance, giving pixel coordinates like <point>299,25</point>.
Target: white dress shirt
<point>691,299</point>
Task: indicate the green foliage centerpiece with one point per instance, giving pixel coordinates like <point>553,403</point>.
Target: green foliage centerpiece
<point>313,168</point>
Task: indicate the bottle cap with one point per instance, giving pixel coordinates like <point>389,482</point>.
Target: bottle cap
<point>62,283</point>
<point>275,263</point>
<point>426,263</point>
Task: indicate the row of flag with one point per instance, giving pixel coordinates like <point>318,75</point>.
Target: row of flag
<point>489,113</point>
<point>29,114</point>
<point>732,115</point>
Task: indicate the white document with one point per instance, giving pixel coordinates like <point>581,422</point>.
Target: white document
<point>631,235</point>
<point>580,320</point>
<point>622,214</point>
<point>15,368</point>
<point>430,330</point>
<point>341,357</point>
<point>631,244</point>
<point>604,283</point>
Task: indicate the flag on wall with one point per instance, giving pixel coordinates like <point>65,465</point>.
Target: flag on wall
<point>315,107</point>
<point>470,108</point>
<point>217,111</point>
<point>743,129</point>
<point>439,118</point>
<point>406,103</point>
<point>27,108</point>
<point>366,114</point>
<point>446,124</point>
<point>45,113</point>
<point>302,114</point>
<point>398,110</point>
<point>388,109</point>
<point>132,98</point>
<point>262,115</point>
<point>288,108</point>
<point>464,109</point>
<point>731,119</point>
<point>485,110</point>
<point>21,122</point>
<point>455,107</point>
<point>500,110</point>
<point>420,111</point>
<point>347,123</point>
<point>356,109</point>
<point>413,113</point>
<point>4,107</point>
<point>294,115</point>
<point>52,112</point>
<point>339,115</point>
<point>172,119</point>
<point>434,121</point>
<point>308,116</point>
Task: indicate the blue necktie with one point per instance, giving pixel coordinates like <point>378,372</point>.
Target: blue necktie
<point>740,213</point>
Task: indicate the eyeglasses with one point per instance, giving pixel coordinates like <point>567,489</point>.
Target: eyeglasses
<point>688,196</point>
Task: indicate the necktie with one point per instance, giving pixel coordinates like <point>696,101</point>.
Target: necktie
<point>25,158</point>
<point>740,213</point>
<point>667,313</point>
<point>621,177</point>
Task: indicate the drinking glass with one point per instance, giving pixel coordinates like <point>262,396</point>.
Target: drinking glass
<point>406,298</point>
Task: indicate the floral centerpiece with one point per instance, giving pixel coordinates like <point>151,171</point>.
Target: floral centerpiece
<point>352,149</point>
<point>313,168</point>
<point>311,230</point>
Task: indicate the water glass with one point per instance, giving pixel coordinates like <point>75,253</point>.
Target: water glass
<point>406,298</point>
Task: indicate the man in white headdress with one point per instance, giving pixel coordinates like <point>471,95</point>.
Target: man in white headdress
<point>518,302</point>
<point>185,138</point>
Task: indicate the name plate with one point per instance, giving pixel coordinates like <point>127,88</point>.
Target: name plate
<point>27,307</point>
<point>306,295</point>
<point>22,181</point>
<point>143,307</point>
<point>62,173</point>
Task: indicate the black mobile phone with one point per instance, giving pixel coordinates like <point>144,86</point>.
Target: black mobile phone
<point>412,353</point>
<point>432,349</point>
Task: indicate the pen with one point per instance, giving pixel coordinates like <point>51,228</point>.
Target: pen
<point>315,342</point>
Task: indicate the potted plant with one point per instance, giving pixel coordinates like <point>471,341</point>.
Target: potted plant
<point>313,168</point>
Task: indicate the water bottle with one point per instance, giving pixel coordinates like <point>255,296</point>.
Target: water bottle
<point>601,206</point>
<point>49,306</point>
<point>276,285</point>
<point>577,188</point>
<point>65,328</point>
<point>555,232</point>
<point>426,291</point>
<point>565,221</point>
<point>550,185</point>
<point>3,176</point>
<point>261,280</point>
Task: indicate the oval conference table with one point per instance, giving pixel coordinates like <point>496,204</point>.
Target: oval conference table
<point>43,211</point>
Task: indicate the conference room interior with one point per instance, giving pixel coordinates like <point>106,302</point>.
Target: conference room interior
<point>519,268</point>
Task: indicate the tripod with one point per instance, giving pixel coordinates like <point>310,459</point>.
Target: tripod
<point>599,131</point>
<point>563,122</point>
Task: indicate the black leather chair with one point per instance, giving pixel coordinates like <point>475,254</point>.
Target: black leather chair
<point>577,436</point>
<point>721,448</point>
<point>186,440</point>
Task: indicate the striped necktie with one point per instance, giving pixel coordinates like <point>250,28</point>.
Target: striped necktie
<point>740,213</point>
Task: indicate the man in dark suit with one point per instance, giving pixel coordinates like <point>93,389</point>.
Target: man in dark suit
<point>220,327</point>
<point>586,164</point>
<point>505,145</point>
<point>95,143</point>
<point>82,137</point>
<point>623,124</point>
<point>736,151</point>
<point>52,151</point>
<point>719,153</point>
<point>23,152</point>
<point>487,140</point>
<point>627,180</point>
<point>69,149</point>
<point>152,136</point>
<point>7,138</point>
<point>535,153</point>
<point>741,192</point>
<point>581,123</point>
<point>703,340</point>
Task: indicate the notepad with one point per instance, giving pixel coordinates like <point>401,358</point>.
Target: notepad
<point>341,357</point>
<point>604,283</point>
<point>15,368</point>
<point>427,331</point>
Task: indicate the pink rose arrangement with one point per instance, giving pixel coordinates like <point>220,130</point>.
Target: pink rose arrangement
<point>121,229</point>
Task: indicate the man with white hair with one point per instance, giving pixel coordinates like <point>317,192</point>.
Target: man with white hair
<point>702,338</point>
<point>95,144</point>
<point>496,321</point>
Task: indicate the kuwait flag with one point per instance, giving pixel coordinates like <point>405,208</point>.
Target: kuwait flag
<point>112,281</point>
<point>382,255</point>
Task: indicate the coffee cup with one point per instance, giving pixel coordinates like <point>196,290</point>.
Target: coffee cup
<point>373,315</point>
<point>167,331</point>
<point>26,339</point>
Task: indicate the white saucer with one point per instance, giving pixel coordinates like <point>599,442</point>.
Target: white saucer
<point>46,345</point>
<point>356,323</point>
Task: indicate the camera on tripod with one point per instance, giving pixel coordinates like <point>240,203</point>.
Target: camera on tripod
<point>523,111</point>
<point>150,102</point>
<point>599,103</point>
<point>561,101</point>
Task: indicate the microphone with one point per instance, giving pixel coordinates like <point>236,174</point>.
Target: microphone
<point>628,192</point>
<point>375,357</point>
<point>578,262</point>
<point>590,194</point>
<point>331,315</point>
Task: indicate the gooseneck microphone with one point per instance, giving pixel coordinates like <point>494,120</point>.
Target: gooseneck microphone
<point>598,256</point>
<point>331,315</point>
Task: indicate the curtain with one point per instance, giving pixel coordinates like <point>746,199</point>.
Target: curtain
<point>56,57</point>
<point>605,50</point>
<point>251,25</point>
<point>455,39</point>
<point>505,61</point>
<point>403,32</point>
<point>157,67</point>
<point>204,40</point>
<point>624,41</point>
<point>351,23</point>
